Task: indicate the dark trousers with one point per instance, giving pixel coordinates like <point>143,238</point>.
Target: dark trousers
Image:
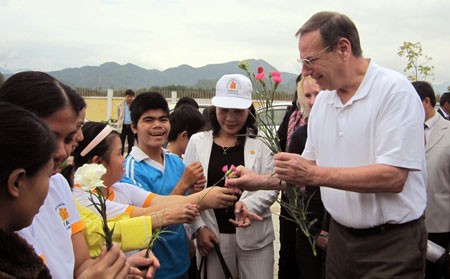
<point>287,263</point>
<point>309,266</point>
<point>394,252</point>
<point>128,134</point>
<point>434,271</point>
<point>192,271</point>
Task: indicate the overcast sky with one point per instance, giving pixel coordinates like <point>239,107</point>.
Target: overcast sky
<point>51,35</point>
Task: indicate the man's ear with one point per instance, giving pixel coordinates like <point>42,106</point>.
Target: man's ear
<point>133,128</point>
<point>183,135</point>
<point>344,46</point>
<point>15,181</point>
<point>426,102</point>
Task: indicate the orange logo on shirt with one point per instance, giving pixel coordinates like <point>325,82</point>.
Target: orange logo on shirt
<point>63,213</point>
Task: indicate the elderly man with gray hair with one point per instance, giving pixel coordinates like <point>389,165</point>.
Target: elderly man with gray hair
<point>365,148</point>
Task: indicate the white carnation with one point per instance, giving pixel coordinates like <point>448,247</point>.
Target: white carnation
<point>89,176</point>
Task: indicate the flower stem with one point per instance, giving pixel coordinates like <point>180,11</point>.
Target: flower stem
<point>215,185</point>
<point>100,206</point>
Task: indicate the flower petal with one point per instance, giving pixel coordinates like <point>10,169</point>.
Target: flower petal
<point>225,169</point>
<point>233,168</point>
<point>89,176</point>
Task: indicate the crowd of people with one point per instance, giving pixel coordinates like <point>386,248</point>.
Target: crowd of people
<point>365,145</point>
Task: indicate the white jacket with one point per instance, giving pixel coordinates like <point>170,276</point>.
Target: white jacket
<point>258,158</point>
<point>120,116</point>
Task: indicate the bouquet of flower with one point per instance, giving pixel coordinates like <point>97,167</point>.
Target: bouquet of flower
<point>89,178</point>
<point>264,90</point>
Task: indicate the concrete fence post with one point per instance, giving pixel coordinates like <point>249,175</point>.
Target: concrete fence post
<point>109,95</point>
<point>173,97</point>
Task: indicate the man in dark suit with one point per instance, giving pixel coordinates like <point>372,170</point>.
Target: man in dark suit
<point>444,108</point>
<point>437,152</point>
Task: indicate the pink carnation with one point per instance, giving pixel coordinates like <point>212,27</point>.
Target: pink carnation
<point>233,168</point>
<point>276,77</point>
<point>259,76</point>
<point>260,70</point>
<point>225,169</point>
<point>275,74</point>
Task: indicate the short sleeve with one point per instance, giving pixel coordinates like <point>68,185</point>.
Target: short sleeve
<point>113,209</point>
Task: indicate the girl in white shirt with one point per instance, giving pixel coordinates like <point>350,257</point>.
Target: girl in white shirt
<point>127,198</point>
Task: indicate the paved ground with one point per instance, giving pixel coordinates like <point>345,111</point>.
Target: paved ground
<point>276,224</point>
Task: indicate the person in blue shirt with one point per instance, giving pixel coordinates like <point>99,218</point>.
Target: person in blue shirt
<point>152,168</point>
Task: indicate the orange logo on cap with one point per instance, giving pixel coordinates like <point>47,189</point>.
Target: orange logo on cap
<point>233,85</point>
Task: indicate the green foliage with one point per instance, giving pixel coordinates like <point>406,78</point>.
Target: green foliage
<point>154,238</point>
<point>2,79</point>
<point>417,65</point>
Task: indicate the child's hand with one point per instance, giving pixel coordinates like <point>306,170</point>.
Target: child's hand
<point>205,240</point>
<point>180,214</point>
<point>192,174</point>
<point>322,240</point>
<point>110,264</point>
<point>217,197</point>
<point>148,266</point>
<point>198,186</point>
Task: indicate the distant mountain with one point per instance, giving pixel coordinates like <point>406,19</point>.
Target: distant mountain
<point>442,87</point>
<point>115,76</point>
<point>4,71</point>
<point>111,75</point>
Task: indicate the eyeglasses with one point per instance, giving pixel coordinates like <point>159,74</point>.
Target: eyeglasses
<point>309,62</point>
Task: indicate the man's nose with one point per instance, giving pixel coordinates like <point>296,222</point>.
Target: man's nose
<point>306,71</point>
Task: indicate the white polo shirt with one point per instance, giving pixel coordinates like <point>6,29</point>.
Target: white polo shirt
<point>52,228</point>
<point>381,124</point>
<point>122,198</point>
<point>130,194</point>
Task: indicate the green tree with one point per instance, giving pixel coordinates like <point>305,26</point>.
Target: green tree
<point>2,79</point>
<point>418,63</point>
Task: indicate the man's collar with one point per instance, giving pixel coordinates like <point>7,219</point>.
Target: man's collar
<point>443,112</point>
<point>432,121</point>
<point>138,154</point>
<point>361,92</point>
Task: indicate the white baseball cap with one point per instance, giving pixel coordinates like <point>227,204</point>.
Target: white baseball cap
<point>233,91</point>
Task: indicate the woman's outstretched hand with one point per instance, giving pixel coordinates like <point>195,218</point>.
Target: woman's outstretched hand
<point>244,216</point>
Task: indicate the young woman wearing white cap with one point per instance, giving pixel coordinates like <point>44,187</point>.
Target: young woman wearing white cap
<point>248,252</point>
